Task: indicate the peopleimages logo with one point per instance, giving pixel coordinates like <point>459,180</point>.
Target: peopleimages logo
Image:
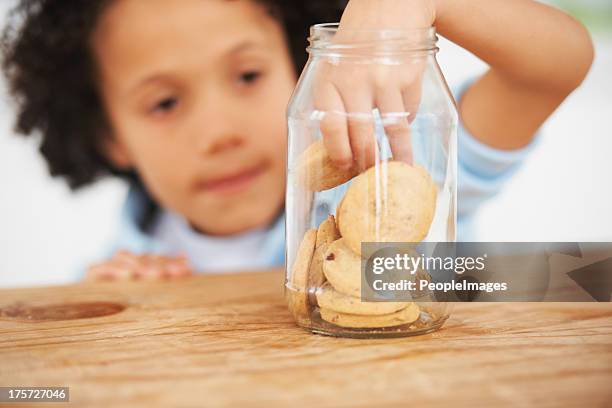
<point>411,264</point>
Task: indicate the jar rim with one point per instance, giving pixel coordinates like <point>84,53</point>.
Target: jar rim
<point>322,38</point>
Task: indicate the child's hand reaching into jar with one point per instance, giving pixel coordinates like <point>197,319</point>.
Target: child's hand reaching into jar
<point>346,91</point>
<point>125,265</point>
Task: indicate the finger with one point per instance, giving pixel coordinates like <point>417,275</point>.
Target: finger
<point>161,267</point>
<point>122,252</point>
<point>333,125</point>
<point>127,266</point>
<point>152,266</point>
<point>411,96</point>
<point>121,272</point>
<point>395,122</point>
<point>127,258</point>
<point>107,271</point>
<point>177,270</point>
<point>358,104</point>
<point>95,272</point>
<point>178,266</point>
<point>185,268</point>
<point>154,272</point>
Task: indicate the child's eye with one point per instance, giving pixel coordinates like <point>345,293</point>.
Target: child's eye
<point>165,105</point>
<point>249,77</point>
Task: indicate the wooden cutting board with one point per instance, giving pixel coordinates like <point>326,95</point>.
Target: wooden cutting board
<point>228,340</point>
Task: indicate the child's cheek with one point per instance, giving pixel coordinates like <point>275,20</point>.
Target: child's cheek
<point>160,159</point>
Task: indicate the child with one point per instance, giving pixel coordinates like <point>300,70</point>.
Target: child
<point>187,99</point>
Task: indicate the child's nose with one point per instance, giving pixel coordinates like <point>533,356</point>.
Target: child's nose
<point>217,124</point>
<point>220,144</point>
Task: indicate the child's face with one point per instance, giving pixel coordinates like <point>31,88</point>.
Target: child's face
<point>196,92</point>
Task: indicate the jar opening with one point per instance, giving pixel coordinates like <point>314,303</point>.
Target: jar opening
<point>324,39</point>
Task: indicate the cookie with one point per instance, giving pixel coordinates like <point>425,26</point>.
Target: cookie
<point>338,215</point>
<point>316,277</point>
<point>342,268</point>
<point>404,316</point>
<point>297,288</point>
<point>330,299</point>
<point>316,171</point>
<point>393,202</point>
<point>327,232</point>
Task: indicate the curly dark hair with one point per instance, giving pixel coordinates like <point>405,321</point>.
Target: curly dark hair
<point>51,73</point>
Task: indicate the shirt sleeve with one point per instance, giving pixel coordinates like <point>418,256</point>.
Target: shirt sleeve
<point>482,171</point>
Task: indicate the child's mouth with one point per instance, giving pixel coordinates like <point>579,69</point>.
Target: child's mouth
<point>234,182</point>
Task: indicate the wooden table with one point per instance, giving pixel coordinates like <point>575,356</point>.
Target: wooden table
<point>229,341</point>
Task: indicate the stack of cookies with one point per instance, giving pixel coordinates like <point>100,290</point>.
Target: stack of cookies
<point>391,202</point>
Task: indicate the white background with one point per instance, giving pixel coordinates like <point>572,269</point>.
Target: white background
<point>562,193</point>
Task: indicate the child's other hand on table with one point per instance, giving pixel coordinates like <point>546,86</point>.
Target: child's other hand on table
<point>125,265</point>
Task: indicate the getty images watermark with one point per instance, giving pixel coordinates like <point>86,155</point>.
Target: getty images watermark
<point>470,271</point>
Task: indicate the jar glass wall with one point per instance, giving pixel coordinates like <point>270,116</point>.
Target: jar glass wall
<point>399,187</point>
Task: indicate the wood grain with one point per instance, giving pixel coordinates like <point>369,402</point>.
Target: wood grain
<point>230,341</point>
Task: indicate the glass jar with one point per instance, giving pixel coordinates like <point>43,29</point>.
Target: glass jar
<point>402,190</point>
